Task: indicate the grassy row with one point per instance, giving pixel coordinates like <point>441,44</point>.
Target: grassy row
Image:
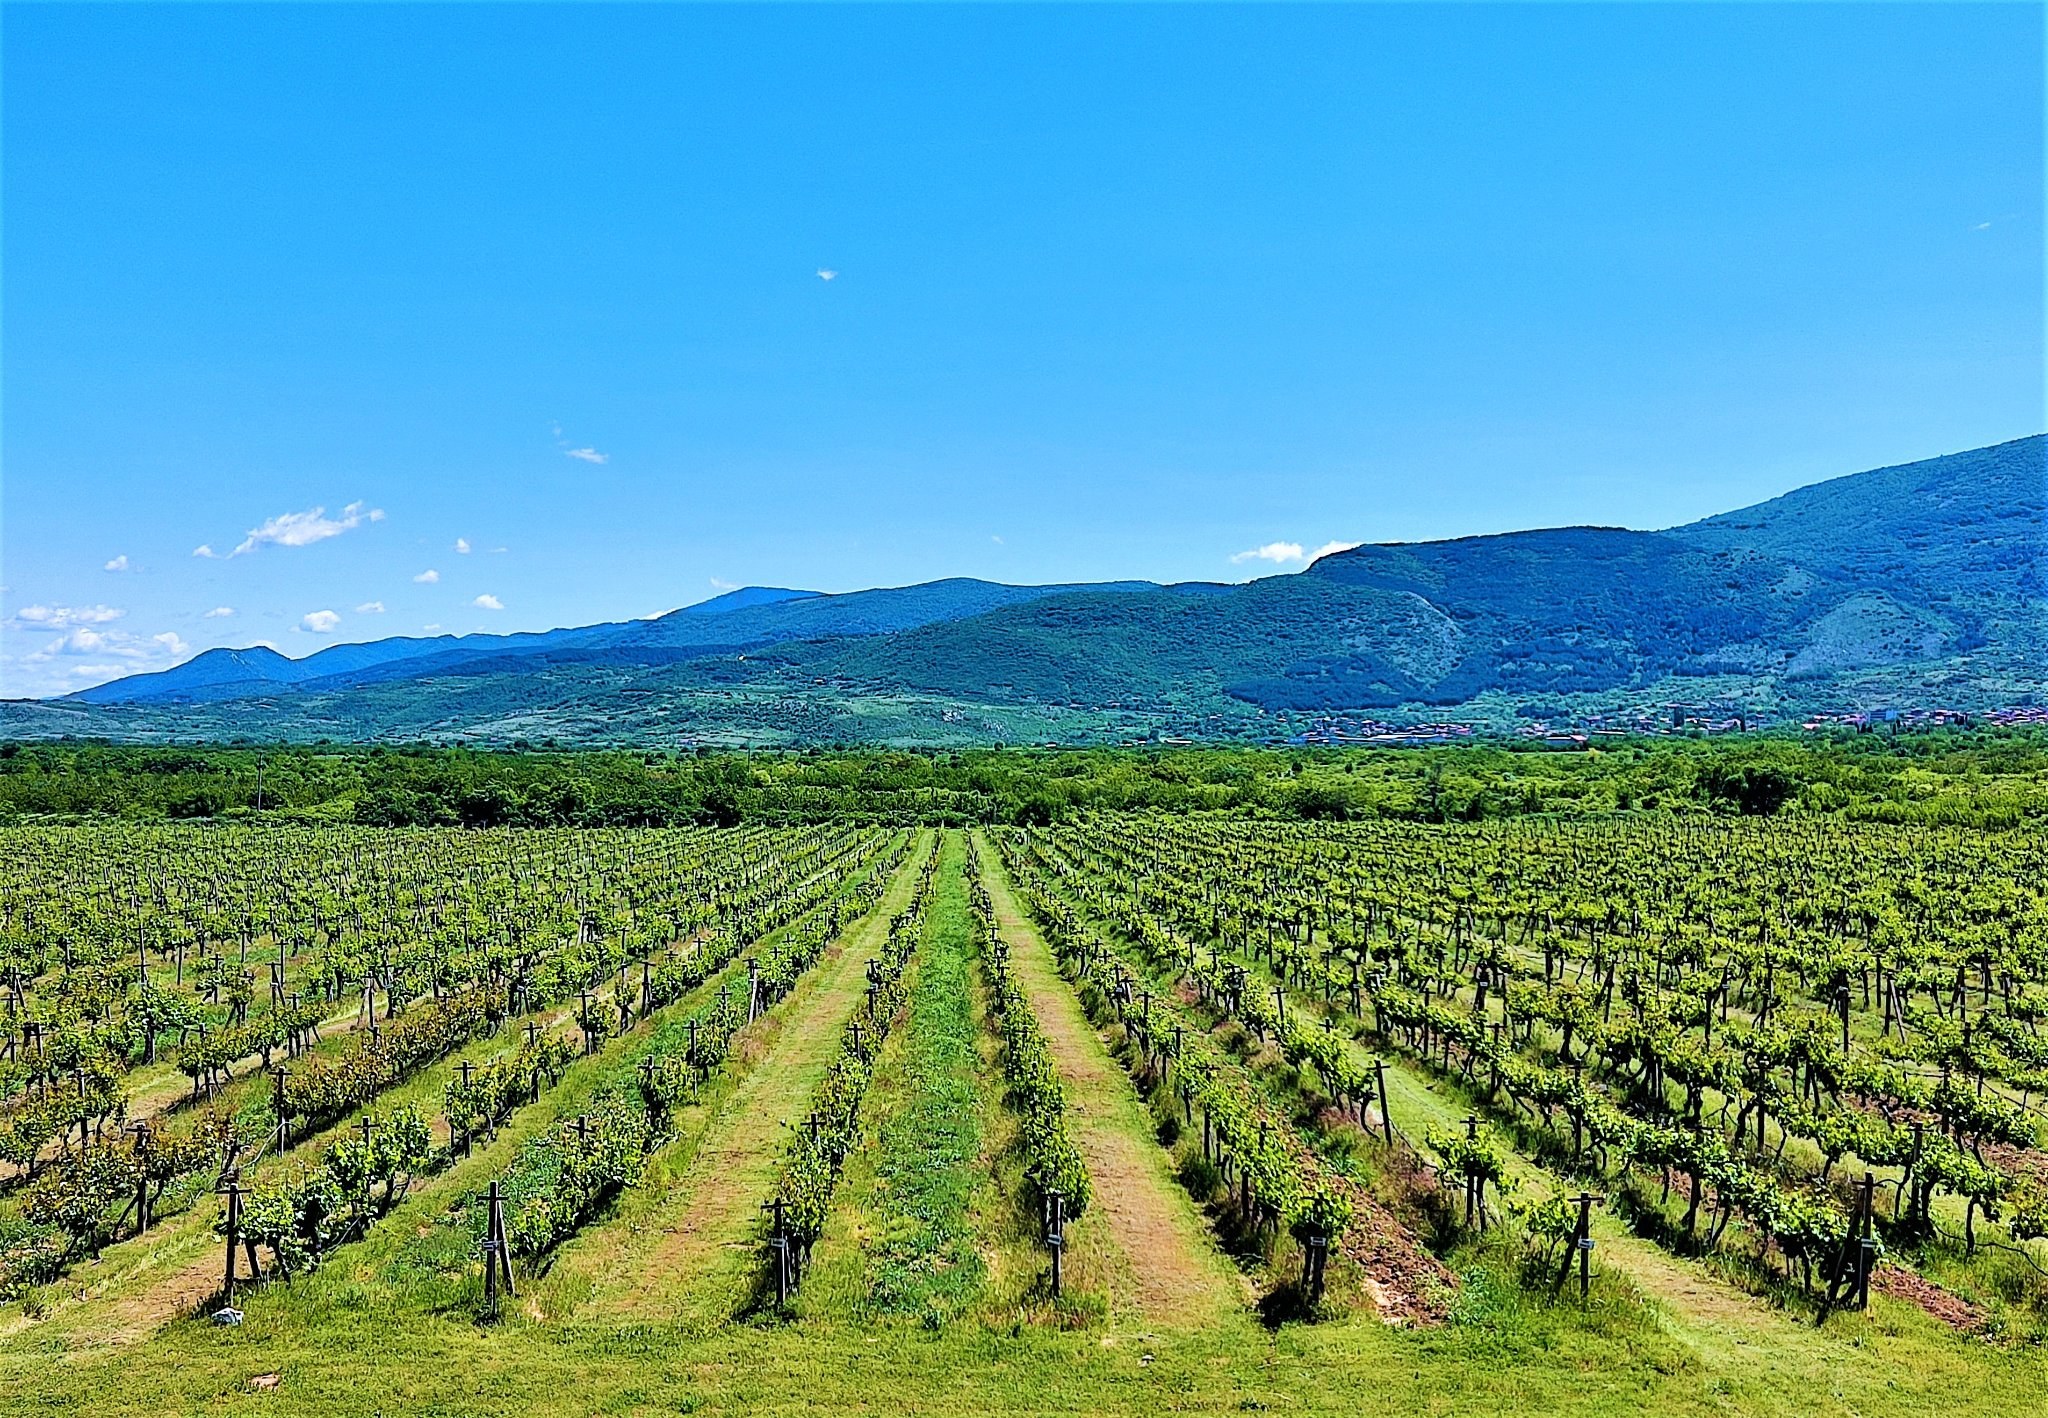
<point>924,1261</point>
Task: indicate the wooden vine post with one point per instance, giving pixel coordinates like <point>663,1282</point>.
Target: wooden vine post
<point>1056,1233</point>
<point>232,1185</point>
<point>497,1252</point>
<point>1314,1262</point>
<point>465,1069</point>
<point>1849,1285</point>
<point>1582,1240</point>
<point>1379,1069</point>
<point>778,1250</point>
<point>142,1148</point>
<point>278,1106</point>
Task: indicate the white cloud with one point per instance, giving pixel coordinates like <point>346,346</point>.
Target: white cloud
<point>370,608</point>
<point>1288,553</point>
<point>427,577</point>
<point>64,617</point>
<point>1981,226</point>
<point>206,551</point>
<point>827,274</point>
<point>319,622</point>
<point>994,538</point>
<point>84,640</point>
<point>488,603</point>
<point>462,546</point>
<point>84,655</point>
<point>119,563</point>
<point>219,613</point>
<point>1281,552</point>
<point>299,529</point>
<point>721,585</point>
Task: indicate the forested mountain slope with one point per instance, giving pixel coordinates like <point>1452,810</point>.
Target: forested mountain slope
<point>1921,583</point>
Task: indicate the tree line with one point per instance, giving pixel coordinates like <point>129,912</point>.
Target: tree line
<point>1977,778</point>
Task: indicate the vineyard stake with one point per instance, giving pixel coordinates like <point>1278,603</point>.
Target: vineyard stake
<point>234,1234</point>
<point>1056,1233</point>
<point>1582,1241</point>
<point>497,1252</point>
<point>278,1106</point>
<point>1379,1068</point>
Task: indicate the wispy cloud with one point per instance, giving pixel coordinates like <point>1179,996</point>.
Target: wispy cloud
<point>462,546</point>
<point>219,613</point>
<point>64,617</point>
<point>488,602</point>
<point>370,608</point>
<point>206,551</point>
<point>826,273</point>
<point>588,455</point>
<point>427,577</point>
<point>1288,553</point>
<point>320,622</point>
<point>719,583</point>
<point>119,563</point>
<point>300,529</point>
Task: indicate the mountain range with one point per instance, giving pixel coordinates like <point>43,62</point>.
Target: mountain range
<point>1921,584</point>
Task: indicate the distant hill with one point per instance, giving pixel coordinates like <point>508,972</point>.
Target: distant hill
<point>259,670</point>
<point>1917,583</point>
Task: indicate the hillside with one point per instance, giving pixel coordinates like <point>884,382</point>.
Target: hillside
<point>1920,583</point>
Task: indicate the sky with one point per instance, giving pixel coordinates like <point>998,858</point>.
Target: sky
<point>321,325</point>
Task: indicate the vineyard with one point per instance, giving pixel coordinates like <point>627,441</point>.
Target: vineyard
<point>1742,1115</point>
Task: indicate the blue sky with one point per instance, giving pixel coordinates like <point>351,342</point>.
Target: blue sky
<point>533,299</point>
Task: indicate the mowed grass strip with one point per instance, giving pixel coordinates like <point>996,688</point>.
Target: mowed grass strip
<point>687,1244</point>
<point>924,1152</point>
<point>1142,1237</point>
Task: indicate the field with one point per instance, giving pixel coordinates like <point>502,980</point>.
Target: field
<point>778,1117</point>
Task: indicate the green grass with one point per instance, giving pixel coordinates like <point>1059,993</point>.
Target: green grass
<point>909,1242</point>
<point>335,1357</point>
<point>926,1171</point>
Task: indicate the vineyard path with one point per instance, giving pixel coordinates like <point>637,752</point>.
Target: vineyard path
<point>693,1245</point>
<point>1177,1275</point>
<point>148,1281</point>
<point>1701,1309</point>
<point>145,1282</point>
<point>1706,1313</point>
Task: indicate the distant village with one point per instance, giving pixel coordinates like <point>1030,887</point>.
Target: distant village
<point>1672,720</point>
